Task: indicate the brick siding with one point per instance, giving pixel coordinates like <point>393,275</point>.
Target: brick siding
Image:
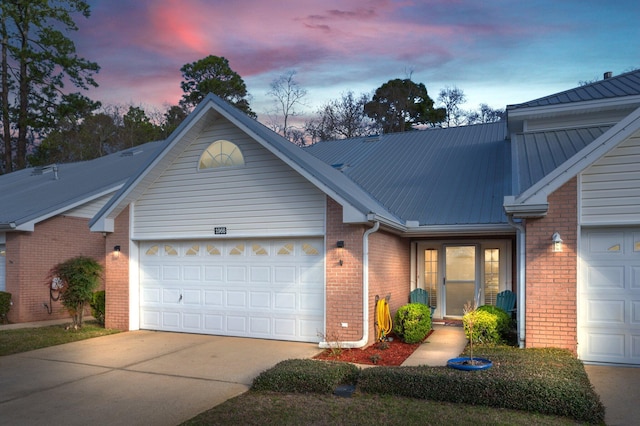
<point>551,278</point>
<point>117,276</point>
<point>30,257</point>
<point>389,260</point>
<point>343,302</point>
<point>389,273</point>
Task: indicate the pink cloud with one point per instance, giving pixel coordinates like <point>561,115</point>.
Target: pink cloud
<point>142,44</point>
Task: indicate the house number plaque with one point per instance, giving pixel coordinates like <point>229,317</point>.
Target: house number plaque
<point>220,230</point>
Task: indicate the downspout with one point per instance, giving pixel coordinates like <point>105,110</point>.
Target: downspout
<point>365,294</point>
<point>521,267</point>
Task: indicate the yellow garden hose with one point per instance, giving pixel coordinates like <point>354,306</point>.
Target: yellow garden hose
<point>383,319</point>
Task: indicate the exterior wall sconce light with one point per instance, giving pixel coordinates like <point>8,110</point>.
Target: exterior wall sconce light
<point>116,251</point>
<point>340,245</point>
<point>557,242</point>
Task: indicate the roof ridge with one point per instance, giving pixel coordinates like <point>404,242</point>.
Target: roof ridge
<point>601,89</point>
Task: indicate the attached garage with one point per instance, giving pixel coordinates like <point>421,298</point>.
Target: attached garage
<point>609,296</point>
<point>267,288</point>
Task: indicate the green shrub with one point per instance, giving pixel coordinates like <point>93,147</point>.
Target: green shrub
<point>503,321</point>
<point>306,375</point>
<point>98,306</point>
<point>547,381</point>
<point>80,276</point>
<point>412,322</point>
<point>5,306</point>
<point>489,324</point>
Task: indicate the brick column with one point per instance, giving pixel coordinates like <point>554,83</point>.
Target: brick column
<point>344,283</point>
<point>551,281</point>
<point>117,275</point>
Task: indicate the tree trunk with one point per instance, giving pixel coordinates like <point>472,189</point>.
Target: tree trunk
<point>23,109</point>
<point>6,123</point>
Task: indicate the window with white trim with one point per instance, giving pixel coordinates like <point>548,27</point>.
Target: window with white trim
<point>221,153</point>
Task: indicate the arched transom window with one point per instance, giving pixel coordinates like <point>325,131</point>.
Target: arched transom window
<point>221,153</point>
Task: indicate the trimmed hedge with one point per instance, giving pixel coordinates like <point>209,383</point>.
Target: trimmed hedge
<point>412,322</point>
<point>306,375</point>
<point>546,381</point>
<point>5,306</point>
<point>490,324</point>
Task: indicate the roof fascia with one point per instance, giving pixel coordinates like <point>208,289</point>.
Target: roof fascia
<point>573,107</point>
<point>535,197</point>
<point>413,229</point>
<point>516,117</point>
<point>460,230</point>
<point>28,224</point>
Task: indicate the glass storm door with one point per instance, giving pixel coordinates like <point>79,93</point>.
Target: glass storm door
<point>459,279</point>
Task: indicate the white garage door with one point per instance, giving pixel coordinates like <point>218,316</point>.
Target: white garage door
<point>609,296</point>
<point>272,289</point>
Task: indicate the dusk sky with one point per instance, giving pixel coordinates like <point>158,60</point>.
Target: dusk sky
<point>498,52</point>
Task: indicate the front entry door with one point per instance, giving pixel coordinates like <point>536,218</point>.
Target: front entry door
<point>455,273</point>
<point>460,281</point>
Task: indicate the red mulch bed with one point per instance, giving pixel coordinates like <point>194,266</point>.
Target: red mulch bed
<point>392,352</point>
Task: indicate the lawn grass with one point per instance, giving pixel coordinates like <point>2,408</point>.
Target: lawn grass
<point>533,381</point>
<point>274,408</point>
<point>18,340</point>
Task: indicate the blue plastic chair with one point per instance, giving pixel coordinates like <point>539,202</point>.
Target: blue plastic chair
<point>506,300</point>
<point>420,295</point>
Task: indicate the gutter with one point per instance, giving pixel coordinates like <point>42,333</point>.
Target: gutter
<point>365,294</point>
<point>521,277</point>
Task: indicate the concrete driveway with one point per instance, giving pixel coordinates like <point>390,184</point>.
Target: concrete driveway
<point>134,378</point>
<point>619,391</point>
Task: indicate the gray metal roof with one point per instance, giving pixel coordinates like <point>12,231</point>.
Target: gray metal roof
<point>540,153</point>
<point>26,196</point>
<point>450,176</point>
<point>627,84</point>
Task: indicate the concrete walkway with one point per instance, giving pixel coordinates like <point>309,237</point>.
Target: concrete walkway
<point>445,342</point>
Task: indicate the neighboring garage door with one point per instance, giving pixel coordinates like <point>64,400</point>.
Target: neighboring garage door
<point>272,289</point>
<point>609,296</point>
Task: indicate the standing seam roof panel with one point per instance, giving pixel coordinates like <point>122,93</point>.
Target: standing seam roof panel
<point>450,176</point>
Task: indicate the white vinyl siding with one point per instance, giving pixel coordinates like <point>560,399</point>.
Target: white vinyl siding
<point>264,197</point>
<point>610,192</point>
<point>89,209</point>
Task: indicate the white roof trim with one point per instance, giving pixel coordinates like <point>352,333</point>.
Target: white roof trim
<point>537,194</point>
<point>573,107</point>
<point>29,225</point>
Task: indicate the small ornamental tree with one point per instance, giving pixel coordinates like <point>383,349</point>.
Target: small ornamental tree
<point>80,277</point>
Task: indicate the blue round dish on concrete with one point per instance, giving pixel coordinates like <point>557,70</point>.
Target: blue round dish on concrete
<point>464,363</point>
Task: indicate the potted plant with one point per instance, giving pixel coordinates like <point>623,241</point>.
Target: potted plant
<point>469,363</point>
